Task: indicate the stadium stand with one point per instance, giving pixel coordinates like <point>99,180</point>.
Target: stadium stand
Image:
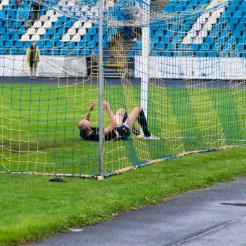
<point>54,33</point>
<point>216,33</point>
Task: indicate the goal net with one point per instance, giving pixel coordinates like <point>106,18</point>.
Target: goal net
<point>184,63</point>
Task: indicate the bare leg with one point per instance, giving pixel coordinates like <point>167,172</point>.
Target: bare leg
<point>35,70</point>
<point>132,118</point>
<point>120,116</point>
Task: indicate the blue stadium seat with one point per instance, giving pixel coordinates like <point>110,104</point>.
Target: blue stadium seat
<point>5,36</point>
<point>50,31</point>
<point>182,46</point>
<point>9,44</point>
<point>2,30</point>
<point>19,44</point>
<point>21,51</point>
<point>28,44</point>
<point>64,51</point>
<point>211,54</point>
<point>205,46</point>
<point>49,44</point>
<point>16,36</point>
<point>194,47</point>
<point>59,44</point>
<point>227,47</point>
<point>21,30</point>
<point>40,44</point>
<point>160,46</point>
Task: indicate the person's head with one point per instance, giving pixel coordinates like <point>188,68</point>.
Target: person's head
<point>22,4</point>
<point>34,43</point>
<point>85,127</point>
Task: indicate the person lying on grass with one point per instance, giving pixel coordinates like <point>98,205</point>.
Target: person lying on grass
<point>121,125</point>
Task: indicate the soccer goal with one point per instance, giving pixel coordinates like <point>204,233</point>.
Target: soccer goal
<point>183,63</point>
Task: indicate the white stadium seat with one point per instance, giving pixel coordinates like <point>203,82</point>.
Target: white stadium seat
<point>198,40</point>
<point>47,24</point>
<point>58,14</point>
<point>187,40</point>
<point>87,25</point>
<point>53,18</point>
<point>71,31</point>
<point>43,18</point>
<point>31,31</point>
<point>203,33</point>
<point>37,24</point>
<point>197,26</point>
<point>41,31</point>
<point>82,31</point>
<point>208,26</point>
<point>76,38</point>
<point>66,37</point>
<point>35,37</point>
<point>212,20</point>
<point>84,8</point>
<point>77,24</point>
<point>25,37</point>
<point>5,2</point>
<point>50,13</point>
<point>71,3</point>
<point>110,4</point>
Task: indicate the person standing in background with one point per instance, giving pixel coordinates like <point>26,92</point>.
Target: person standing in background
<point>22,13</point>
<point>35,11</point>
<point>32,58</point>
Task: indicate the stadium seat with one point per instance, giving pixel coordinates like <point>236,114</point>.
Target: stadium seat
<point>82,31</point>
<point>53,18</point>
<point>35,37</point>
<point>49,44</point>
<point>50,13</point>
<point>5,2</point>
<point>51,31</point>
<point>37,24</point>
<point>2,30</point>
<point>71,31</point>
<point>41,31</point>
<point>47,24</point>
<point>43,18</point>
<point>76,38</point>
<point>66,37</point>
<point>64,51</point>
<point>31,31</point>
<point>87,25</point>
<point>25,37</point>
<point>77,24</point>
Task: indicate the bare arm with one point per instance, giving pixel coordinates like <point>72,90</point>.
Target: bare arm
<point>113,122</point>
<point>88,116</point>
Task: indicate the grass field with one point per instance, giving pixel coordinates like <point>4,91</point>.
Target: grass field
<point>32,208</point>
<point>38,125</point>
<point>38,129</point>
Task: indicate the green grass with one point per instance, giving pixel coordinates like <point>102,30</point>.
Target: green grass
<point>31,208</point>
<point>38,125</point>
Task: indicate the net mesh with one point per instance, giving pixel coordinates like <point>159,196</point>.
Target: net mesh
<point>183,64</point>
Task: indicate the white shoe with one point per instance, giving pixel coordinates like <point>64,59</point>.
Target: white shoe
<point>152,137</point>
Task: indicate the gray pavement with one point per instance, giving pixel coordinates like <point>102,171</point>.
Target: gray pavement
<point>195,218</point>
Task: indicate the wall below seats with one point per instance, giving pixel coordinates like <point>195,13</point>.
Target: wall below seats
<point>193,67</point>
<point>49,66</point>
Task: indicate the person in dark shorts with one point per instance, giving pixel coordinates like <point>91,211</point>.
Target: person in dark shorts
<point>33,56</point>
<point>121,125</point>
